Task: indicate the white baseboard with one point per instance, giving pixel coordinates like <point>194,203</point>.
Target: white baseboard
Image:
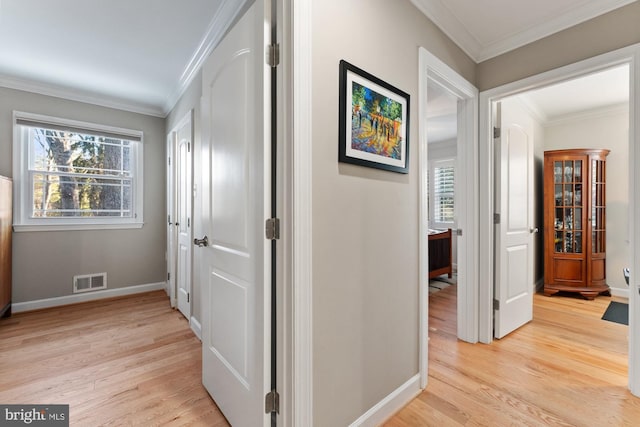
<point>167,289</point>
<point>619,292</point>
<point>20,307</point>
<point>391,404</point>
<point>196,327</point>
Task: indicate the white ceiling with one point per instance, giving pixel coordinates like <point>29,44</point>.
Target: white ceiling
<point>140,55</point>
<point>133,54</point>
<point>442,113</point>
<point>594,93</point>
<point>601,90</point>
<point>488,28</point>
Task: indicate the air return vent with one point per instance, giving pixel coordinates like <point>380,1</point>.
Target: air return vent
<point>89,282</point>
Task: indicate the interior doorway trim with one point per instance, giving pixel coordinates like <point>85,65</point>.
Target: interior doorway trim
<point>629,55</point>
<point>433,69</point>
<point>299,183</point>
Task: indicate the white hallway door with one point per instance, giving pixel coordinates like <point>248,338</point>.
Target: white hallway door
<point>179,189</point>
<point>183,215</point>
<point>514,276</point>
<point>235,197</point>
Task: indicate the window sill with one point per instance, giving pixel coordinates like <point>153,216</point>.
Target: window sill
<point>74,227</point>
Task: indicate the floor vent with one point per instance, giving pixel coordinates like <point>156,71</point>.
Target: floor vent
<point>89,282</point>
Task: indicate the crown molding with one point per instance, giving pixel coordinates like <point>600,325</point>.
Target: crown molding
<point>539,115</point>
<point>591,114</point>
<point>449,23</point>
<point>218,27</point>
<point>560,22</point>
<point>71,94</point>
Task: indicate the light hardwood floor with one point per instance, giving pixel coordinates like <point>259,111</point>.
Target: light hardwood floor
<point>566,368</point>
<point>134,361</point>
<point>119,362</point>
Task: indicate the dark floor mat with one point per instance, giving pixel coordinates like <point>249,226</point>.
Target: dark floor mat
<point>617,312</point>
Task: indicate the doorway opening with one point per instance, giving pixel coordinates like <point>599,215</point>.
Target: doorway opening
<point>442,145</point>
<point>448,226</point>
<point>569,118</point>
<point>579,202</point>
<point>563,128</point>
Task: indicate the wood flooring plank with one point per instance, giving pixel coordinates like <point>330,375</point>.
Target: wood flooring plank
<point>119,362</point>
<point>565,368</point>
<point>134,361</point>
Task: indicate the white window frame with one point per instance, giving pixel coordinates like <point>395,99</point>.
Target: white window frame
<point>23,220</point>
<point>433,164</point>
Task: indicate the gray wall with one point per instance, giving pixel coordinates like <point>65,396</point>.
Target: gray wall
<point>44,263</point>
<point>365,221</point>
<point>605,33</point>
<point>190,100</point>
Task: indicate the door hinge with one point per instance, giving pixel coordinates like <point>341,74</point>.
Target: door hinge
<point>273,55</point>
<point>188,147</point>
<point>272,228</point>
<point>188,222</point>
<point>496,304</point>
<point>496,218</point>
<point>168,276</point>
<point>169,219</point>
<point>496,132</point>
<point>169,160</point>
<point>188,296</point>
<point>272,402</point>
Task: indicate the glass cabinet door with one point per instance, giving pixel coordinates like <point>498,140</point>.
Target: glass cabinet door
<point>597,206</point>
<point>568,197</point>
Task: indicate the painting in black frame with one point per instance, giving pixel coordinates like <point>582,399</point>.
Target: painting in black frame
<point>374,121</point>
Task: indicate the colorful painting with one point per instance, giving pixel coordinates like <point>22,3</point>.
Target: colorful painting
<point>373,121</point>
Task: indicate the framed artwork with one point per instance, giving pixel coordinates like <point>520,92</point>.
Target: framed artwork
<point>374,121</point>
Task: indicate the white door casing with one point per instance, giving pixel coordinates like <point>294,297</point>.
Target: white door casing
<point>235,201</point>
<point>514,284</point>
<point>183,192</point>
<point>171,231</point>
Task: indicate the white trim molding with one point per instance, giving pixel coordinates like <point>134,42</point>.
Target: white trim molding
<point>302,302</point>
<point>442,16</point>
<point>225,15</point>
<point>634,214</point>
<point>21,307</point>
<point>391,404</point>
<point>619,292</point>
<point>196,327</point>
<point>78,95</point>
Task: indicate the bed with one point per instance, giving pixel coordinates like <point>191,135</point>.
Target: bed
<point>440,253</point>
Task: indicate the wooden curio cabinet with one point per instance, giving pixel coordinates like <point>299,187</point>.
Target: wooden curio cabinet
<point>574,222</point>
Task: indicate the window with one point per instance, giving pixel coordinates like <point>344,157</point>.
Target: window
<point>75,175</point>
<point>443,194</point>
